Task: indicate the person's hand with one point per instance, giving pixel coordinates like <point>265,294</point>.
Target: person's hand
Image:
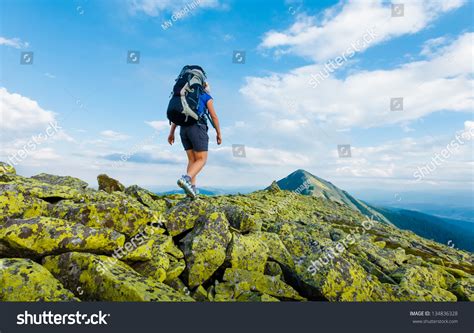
<point>219,138</point>
<point>171,138</point>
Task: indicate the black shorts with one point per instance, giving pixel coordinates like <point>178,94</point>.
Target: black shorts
<point>194,137</point>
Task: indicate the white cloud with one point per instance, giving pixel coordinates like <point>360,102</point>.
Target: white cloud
<point>443,81</point>
<point>156,7</point>
<point>159,125</point>
<point>13,42</point>
<point>19,113</point>
<point>331,33</point>
<point>114,136</point>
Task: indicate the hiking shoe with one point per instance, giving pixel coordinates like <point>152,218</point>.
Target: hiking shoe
<point>195,189</point>
<point>185,183</point>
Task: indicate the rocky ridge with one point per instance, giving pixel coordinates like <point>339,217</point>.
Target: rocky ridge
<point>63,241</point>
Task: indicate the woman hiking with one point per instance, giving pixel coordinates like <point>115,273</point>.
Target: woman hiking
<point>194,136</point>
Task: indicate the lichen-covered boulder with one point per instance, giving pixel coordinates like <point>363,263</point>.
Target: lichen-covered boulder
<point>164,262</point>
<point>44,235</point>
<point>124,216</point>
<point>100,280</point>
<point>205,247</point>
<point>109,184</point>
<point>15,204</point>
<point>155,268</point>
<point>6,168</point>
<point>338,278</point>
<point>183,216</point>
<point>23,280</point>
<point>61,180</point>
<point>241,220</point>
<point>51,193</point>
<point>247,252</point>
<point>276,250</point>
<point>147,198</point>
<point>417,283</point>
<point>270,285</point>
<point>463,289</point>
<point>176,268</point>
<point>140,250</point>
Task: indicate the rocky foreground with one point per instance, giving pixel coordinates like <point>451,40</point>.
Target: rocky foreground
<point>62,241</point>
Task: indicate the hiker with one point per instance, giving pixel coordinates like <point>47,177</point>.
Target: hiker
<point>189,107</point>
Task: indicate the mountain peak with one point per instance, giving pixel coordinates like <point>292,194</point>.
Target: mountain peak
<point>303,182</point>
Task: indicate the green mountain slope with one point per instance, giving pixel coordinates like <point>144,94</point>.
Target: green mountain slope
<point>305,183</point>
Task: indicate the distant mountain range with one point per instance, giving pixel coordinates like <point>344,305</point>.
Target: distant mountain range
<point>451,232</point>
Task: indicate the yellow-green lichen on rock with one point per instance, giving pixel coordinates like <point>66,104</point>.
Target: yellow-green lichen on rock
<point>205,247</point>
<point>270,285</point>
<point>126,217</point>
<point>23,280</point>
<point>183,216</point>
<point>247,252</point>
<point>6,168</point>
<point>15,204</point>
<point>42,236</point>
<point>109,184</point>
<point>101,280</point>
<point>61,180</point>
<point>254,247</point>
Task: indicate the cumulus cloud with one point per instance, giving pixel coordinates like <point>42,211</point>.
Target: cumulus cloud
<point>441,81</point>
<point>20,113</point>
<point>329,34</point>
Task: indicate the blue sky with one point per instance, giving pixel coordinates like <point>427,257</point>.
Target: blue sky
<point>107,108</point>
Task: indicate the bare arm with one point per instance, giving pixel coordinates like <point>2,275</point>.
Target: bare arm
<point>171,135</point>
<point>215,120</point>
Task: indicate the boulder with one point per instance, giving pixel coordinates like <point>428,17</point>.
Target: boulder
<point>417,283</point>
<point>109,184</point>
<point>23,280</point>
<point>44,235</point>
<point>241,220</point>
<point>270,285</point>
<point>6,168</point>
<point>15,204</point>
<point>463,289</point>
<point>147,198</point>
<point>205,247</point>
<point>336,277</point>
<point>183,216</point>
<point>247,252</point>
<point>276,250</point>
<point>61,180</point>
<point>126,217</point>
<point>99,279</point>
<point>155,268</point>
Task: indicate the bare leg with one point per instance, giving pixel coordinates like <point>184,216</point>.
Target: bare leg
<point>200,159</point>
<point>191,161</point>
